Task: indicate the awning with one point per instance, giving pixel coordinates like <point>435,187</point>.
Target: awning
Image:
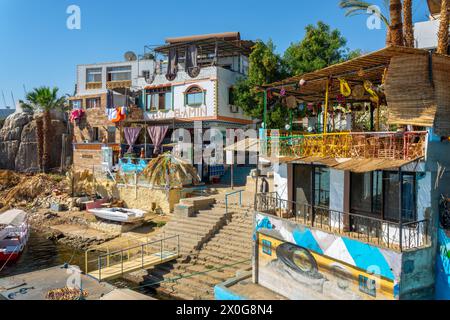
<point>13,218</point>
<point>369,165</point>
<point>353,165</point>
<point>329,162</point>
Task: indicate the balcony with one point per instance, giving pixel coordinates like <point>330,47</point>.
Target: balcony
<point>118,84</point>
<point>371,145</point>
<point>93,85</point>
<point>392,235</point>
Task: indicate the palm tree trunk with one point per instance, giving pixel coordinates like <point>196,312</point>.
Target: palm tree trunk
<point>408,23</point>
<point>40,140</point>
<point>443,29</point>
<point>396,27</point>
<point>47,137</point>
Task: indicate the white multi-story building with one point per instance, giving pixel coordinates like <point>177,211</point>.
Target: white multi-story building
<point>185,83</point>
<point>426,32</point>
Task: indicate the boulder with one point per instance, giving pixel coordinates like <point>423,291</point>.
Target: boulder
<point>18,142</point>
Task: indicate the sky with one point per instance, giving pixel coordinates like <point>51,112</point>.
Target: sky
<point>38,49</point>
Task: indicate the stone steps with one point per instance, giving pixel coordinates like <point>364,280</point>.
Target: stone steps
<point>227,242</point>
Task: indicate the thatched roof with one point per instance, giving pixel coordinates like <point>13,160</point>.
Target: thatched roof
<point>416,94</point>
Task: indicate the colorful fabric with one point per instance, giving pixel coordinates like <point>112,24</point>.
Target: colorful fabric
<point>131,135</point>
<point>157,134</point>
<point>76,114</point>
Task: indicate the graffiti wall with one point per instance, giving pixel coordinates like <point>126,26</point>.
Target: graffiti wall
<point>302,263</point>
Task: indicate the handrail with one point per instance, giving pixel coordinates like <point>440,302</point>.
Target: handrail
<point>125,254</point>
<point>231,194</point>
<point>385,232</point>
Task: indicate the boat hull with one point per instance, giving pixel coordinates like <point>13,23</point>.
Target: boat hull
<point>115,216</point>
<point>10,257</point>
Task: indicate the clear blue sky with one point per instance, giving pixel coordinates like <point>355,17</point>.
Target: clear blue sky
<point>37,48</point>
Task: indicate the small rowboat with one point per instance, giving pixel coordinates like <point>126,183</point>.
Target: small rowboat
<point>14,234</point>
<point>119,214</point>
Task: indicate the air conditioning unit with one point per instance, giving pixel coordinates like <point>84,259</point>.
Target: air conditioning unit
<point>234,109</point>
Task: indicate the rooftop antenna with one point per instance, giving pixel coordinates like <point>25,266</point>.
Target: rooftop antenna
<point>4,100</point>
<point>13,100</point>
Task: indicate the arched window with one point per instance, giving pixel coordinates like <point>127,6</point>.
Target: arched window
<point>194,96</point>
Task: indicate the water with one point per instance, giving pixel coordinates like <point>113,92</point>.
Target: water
<point>41,253</point>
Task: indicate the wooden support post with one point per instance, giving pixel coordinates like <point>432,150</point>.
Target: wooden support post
<point>325,113</point>
<point>378,116</point>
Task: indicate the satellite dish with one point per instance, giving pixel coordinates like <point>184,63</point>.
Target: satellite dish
<point>130,56</point>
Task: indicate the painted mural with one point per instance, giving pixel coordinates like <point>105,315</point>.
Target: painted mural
<point>301,263</point>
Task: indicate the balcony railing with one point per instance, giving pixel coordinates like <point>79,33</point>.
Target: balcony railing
<point>383,233</point>
<point>373,145</point>
<point>118,84</point>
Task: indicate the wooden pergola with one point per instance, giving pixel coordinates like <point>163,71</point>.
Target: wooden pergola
<point>324,86</point>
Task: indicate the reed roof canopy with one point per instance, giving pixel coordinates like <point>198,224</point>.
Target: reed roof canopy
<point>412,82</point>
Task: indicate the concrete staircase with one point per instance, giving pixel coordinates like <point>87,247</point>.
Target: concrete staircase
<point>194,275</point>
<point>193,231</point>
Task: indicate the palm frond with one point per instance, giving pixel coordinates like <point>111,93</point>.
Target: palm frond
<point>359,7</point>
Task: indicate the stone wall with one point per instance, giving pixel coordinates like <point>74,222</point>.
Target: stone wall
<point>18,142</point>
<point>149,199</point>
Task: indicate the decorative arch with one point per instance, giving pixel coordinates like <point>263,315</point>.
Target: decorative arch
<point>194,96</point>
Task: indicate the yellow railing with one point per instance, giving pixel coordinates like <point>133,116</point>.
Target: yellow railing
<point>373,145</point>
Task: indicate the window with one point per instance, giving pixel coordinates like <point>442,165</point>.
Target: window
<point>391,195</point>
<point>194,97</point>
<point>376,194</point>
<point>321,186</point>
<point>93,103</point>
<point>368,286</point>
<point>94,75</point>
<point>111,134</point>
<point>366,193</point>
<point>231,96</point>
<point>146,74</point>
<point>95,134</point>
<point>312,185</point>
<point>159,99</point>
<point>267,247</point>
<point>76,104</point>
<point>119,73</point>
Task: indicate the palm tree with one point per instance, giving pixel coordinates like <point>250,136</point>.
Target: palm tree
<point>44,99</point>
<point>443,28</point>
<point>169,171</point>
<point>356,7</point>
<point>394,23</point>
<point>396,26</point>
<point>408,27</point>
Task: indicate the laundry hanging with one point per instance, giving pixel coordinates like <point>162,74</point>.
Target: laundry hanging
<point>110,100</point>
<point>157,134</point>
<point>192,67</point>
<point>172,68</point>
<point>131,135</point>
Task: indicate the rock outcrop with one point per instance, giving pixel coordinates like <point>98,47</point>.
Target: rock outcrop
<point>18,142</point>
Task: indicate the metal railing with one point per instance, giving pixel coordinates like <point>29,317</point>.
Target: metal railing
<point>231,194</point>
<point>137,253</point>
<point>364,145</point>
<point>392,235</point>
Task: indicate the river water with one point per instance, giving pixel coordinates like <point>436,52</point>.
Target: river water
<point>41,253</point>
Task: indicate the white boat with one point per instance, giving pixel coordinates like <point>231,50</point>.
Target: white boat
<point>14,234</point>
<point>119,214</point>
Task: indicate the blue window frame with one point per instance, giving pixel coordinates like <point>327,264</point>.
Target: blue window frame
<point>368,286</point>
<point>267,247</point>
